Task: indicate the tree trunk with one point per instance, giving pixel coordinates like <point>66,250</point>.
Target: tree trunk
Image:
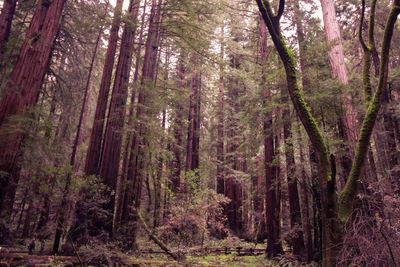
<point>347,118</point>
<point>298,248</point>
<point>258,203</point>
<point>306,204</point>
<point>94,150</point>
<point>111,152</point>
<point>22,90</point>
<point>137,162</point>
<point>334,212</point>
<point>63,211</point>
<point>178,126</point>
<point>191,118</point>
<point>274,246</point>
<point>121,198</point>
<point>6,17</point>
<point>220,118</point>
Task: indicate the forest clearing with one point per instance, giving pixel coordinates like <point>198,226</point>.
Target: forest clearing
<point>199,133</point>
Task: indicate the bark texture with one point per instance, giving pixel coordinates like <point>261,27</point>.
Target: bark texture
<point>23,89</point>
<point>94,150</point>
<point>274,246</point>
<point>6,17</point>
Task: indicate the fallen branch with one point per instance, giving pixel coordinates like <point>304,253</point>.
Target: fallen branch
<point>158,241</point>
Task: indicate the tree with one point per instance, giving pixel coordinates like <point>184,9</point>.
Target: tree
<point>334,212</point>
<point>23,89</point>
<point>274,246</point>
<point>6,18</point>
<point>93,155</point>
<point>111,152</point>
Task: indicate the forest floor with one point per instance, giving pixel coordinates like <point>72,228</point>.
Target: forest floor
<point>24,259</point>
<point>221,255</point>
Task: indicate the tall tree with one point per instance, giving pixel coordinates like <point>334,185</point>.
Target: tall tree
<point>137,161</point>
<point>220,117</point>
<point>62,213</point>
<point>94,150</point>
<point>23,89</point>
<point>274,246</point>
<point>111,152</point>
<point>347,119</point>
<point>335,212</point>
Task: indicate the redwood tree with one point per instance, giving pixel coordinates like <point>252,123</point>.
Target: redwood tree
<point>96,137</point>
<point>274,246</point>
<point>6,17</point>
<point>23,89</point>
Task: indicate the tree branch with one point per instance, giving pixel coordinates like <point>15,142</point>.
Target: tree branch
<point>349,192</point>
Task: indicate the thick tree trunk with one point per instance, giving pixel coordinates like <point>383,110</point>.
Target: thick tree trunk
<point>191,117</point>
<point>334,212</point>
<point>220,127</point>
<point>94,150</point>
<point>298,248</point>
<point>274,246</point>
<point>22,90</point>
<point>6,17</point>
<point>347,117</point>
<point>258,203</point>
<point>121,192</point>
<point>137,162</point>
<point>111,152</point>
<point>178,126</point>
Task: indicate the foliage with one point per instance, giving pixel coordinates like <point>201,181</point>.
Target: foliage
<point>194,218</point>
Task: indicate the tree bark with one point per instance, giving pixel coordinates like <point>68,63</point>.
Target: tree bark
<point>347,118</point>
<point>120,211</point>
<point>191,118</point>
<point>220,118</point>
<point>334,212</point>
<point>22,90</point>
<point>93,155</point>
<point>274,246</point>
<point>178,126</point>
<point>298,248</point>
<point>137,162</point>
<point>6,17</point>
<point>111,152</point>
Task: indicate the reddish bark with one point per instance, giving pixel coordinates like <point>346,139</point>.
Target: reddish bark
<point>111,151</point>
<point>191,119</point>
<point>6,17</point>
<point>220,117</point>
<point>24,86</point>
<point>298,247</point>
<point>347,119</point>
<point>305,211</point>
<point>177,128</point>
<point>274,246</point>
<point>94,150</point>
<point>122,190</point>
<point>137,162</point>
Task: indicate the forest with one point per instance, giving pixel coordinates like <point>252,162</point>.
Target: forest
<point>199,133</point>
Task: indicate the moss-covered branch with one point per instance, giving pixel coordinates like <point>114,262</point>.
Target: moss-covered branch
<point>368,49</point>
<point>349,192</point>
<point>302,110</point>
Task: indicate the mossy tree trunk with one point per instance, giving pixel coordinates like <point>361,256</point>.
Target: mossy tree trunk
<point>334,213</point>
